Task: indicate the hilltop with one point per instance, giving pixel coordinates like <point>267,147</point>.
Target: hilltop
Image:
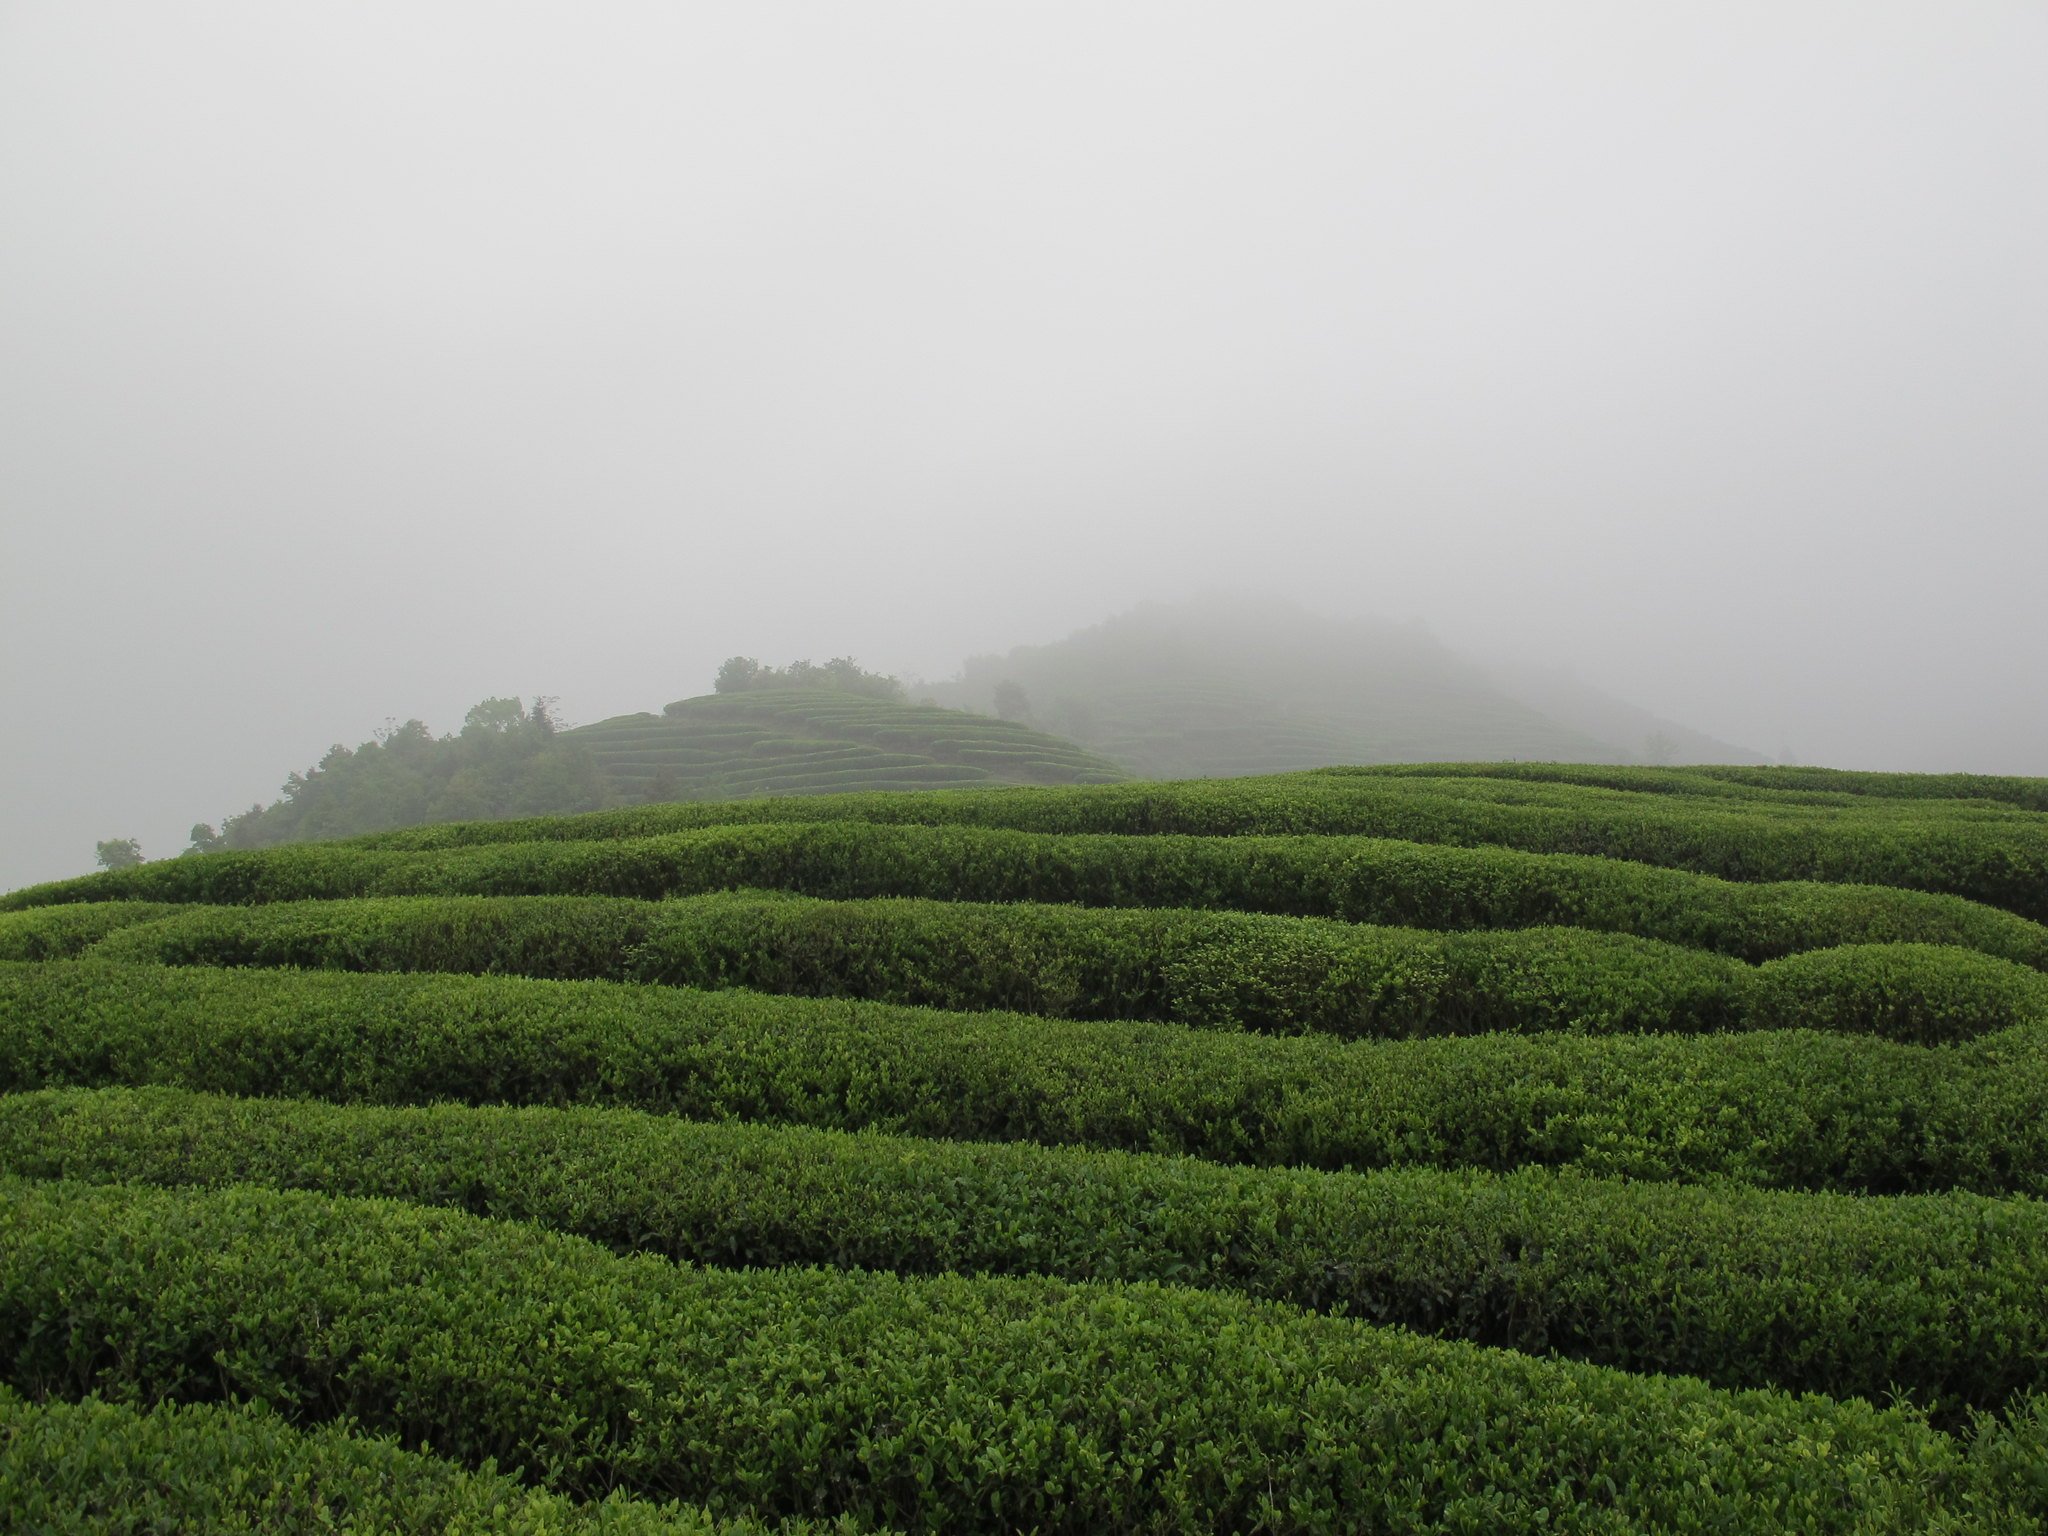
<point>821,741</point>
<point>1221,687</point>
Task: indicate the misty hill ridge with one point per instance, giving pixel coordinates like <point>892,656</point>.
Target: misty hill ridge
<point>1225,687</point>
<point>1205,689</point>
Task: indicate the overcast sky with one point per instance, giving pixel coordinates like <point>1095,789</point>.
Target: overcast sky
<point>361,360</point>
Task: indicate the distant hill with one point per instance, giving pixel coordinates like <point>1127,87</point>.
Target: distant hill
<point>1645,736</point>
<point>1225,687</point>
<point>1192,690</point>
<point>511,761</point>
<point>817,741</point>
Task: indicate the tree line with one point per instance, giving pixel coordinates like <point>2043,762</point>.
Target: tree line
<point>509,759</point>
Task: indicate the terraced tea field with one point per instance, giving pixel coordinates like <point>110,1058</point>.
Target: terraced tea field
<point>797,741</point>
<point>1460,1148</point>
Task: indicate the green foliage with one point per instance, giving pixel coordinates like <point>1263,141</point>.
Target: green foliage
<point>737,674</point>
<point>1362,879</point>
<point>97,1468</point>
<point>1989,854</point>
<point>1902,991</point>
<point>56,933</point>
<point>569,936</point>
<point>494,715</point>
<point>2028,793</point>
<point>743,674</point>
<point>945,1403</point>
<point>1597,1074</point>
<point>1791,1109</point>
<point>119,853</point>
<point>1813,785</point>
<point>507,761</point>
<point>1941,1296</point>
<point>1225,970</point>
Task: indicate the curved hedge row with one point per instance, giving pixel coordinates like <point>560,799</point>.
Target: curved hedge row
<point>1983,852</point>
<point>2028,793</point>
<point>1944,1297</point>
<point>1792,1110</point>
<point>1761,785</point>
<point>1225,970</point>
<point>59,933</point>
<point>1359,879</point>
<point>1794,784</point>
<point>97,1468</point>
<point>944,1403</point>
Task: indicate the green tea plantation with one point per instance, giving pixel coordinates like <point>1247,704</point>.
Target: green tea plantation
<point>1483,1148</point>
<point>816,741</point>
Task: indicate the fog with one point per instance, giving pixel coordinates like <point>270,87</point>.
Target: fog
<point>363,360</point>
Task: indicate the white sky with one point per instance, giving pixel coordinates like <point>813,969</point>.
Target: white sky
<point>360,360</point>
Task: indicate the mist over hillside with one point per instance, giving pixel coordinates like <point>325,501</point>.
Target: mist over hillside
<point>1648,736</point>
<point>364,362</point>
<point>807,730</point>
<point>1224,684</point>
<point>1234,684</point>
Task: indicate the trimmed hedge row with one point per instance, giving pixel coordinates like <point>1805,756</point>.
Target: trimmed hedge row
<point>1760,786</point>
<point>1791,784</point>
<point>59,933</point>
<point>1792,1110</point>
<point>1358,879</point>
<point>97,1468</point>
<point>1224,970</point>
<point>936,1404</point>
<point>2029,793</point>
<point>1985,852</point>
<point>1941,1296</point>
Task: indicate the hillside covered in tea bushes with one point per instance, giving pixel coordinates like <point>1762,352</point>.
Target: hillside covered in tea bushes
<point>513,760</point>
<point>807,741</point>
<point>1496,1147</point>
